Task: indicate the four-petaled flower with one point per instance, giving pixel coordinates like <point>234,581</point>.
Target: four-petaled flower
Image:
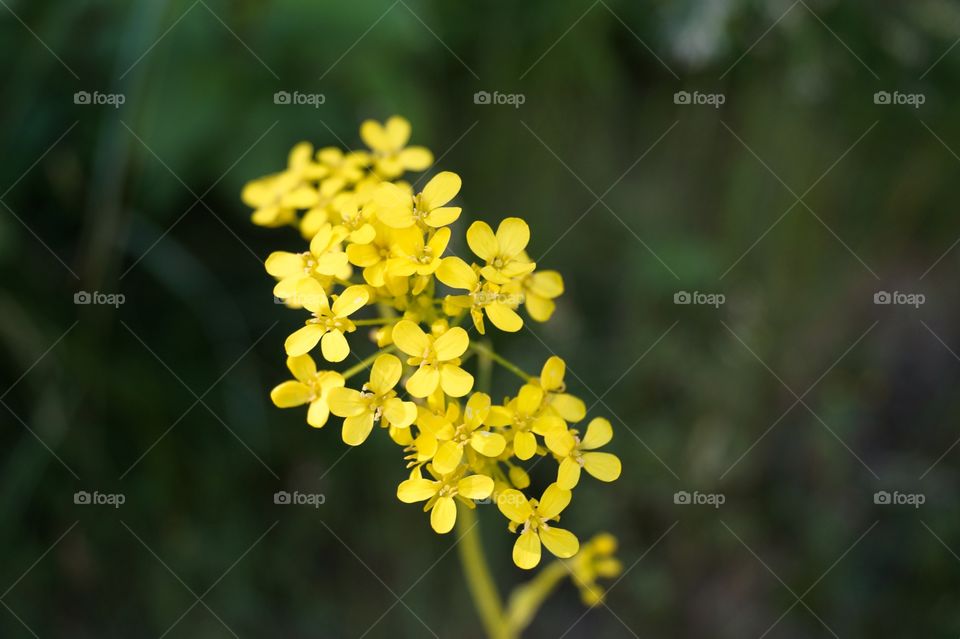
<point>469,432</point>
<point>575,453</point>
<point>503,252</point>
<point>377,401</point>
<point>442,495</point>
<point>309,386</point>
<point>437,359</point>
<point>328,322</point>
<point>398,209</point>
<point>523,413</point>
<point>535,517</point>
<point>391,155</point>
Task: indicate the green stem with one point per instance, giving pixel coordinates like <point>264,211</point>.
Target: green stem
<point>486,351</point>
<point>479,581</point>
<point>526,599</point>
<point>366,362</point>
<point>376,321</point>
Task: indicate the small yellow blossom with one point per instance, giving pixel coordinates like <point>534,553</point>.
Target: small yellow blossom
<point>595,560</point>
<point>309,387</point>
<point>566,406</point>
<point>535,517</point>
<point>276,198</point>
<point>437,359</point>
<point>483,297</point>
<point>575,453</point>
<point>328,323</point>
<point>388,142</point>
<point>503,252</point>
<point>398,209</point>
<point>470,432</point>
<point>524,415</point>
<point>377,401</point>
<point>442,495</point>
<point>325,257</point>
<point>539,291</point>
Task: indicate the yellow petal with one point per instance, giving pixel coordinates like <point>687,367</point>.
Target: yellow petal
<point>513,234</point>
<point>346,402</point>
<point>548,284</point>
<point>526,550</point>
<point>451,344</point>
<point>334,346</point>
<point>414,490</point>
<point>373,135</point>
<point>302,341</point>
<point>363,255</point>
<point>539,308</point>
<point>442,188</point>
<point>447,458</point>
<point>528,401</point>
<point>356,429</point>
<point>282,264</point>
<point>385,373</point>
<point>560,542</point>
<point>438,243</point>
<point>311,296</point>
<point>570,408</point>
<point>487,443</point>
<point>551,377</point>
<point>442,216</point>
<point>560,442</point>
<point>504,317</point>
<point>553,501</point>
<point>455,381</point>
<point>456,273</point>
<point>475,487</point>
<point>289,394</point>
<point>568,474</point>
<point>331,263</point>
<point>524,445</point>
<point>443,515</point>
<point>498,416</point>
<point>303,367</point>
<point>318,413</point>
<point>603,466</point>
<point>410,339</point>
<point>514,505</point>
<point>350,300</point>
<point>482,241</point>
<point>477,409</point>
<point>424,381</point>
<point>415,158</point>
<point>397,131</point>
<point>399,413</point>
<point>599,432</point>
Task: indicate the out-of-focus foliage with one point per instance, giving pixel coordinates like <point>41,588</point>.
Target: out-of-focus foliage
<point>144,200</point>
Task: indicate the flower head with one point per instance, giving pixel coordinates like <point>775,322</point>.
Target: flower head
<point>575,453</point>
<point>535,517</point>
<point>437,359</point>
<point>309,386</point>
<point>377,401</point>
<point>503,252</point>
<point>442,495</point>
<point>329,323</point>
<point>398,209</point>
<point>390,153</point>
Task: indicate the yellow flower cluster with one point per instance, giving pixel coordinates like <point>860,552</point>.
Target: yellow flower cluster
<point>379,255</point>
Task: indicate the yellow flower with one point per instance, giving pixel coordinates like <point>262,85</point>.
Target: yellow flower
<point>442,495</point>
<point>437,359</point>
<point>503,252</point>
<point>535,517</point>
<point>328,323</point>
<point>450,453</point>
<point>483,297</point>
<point>276,198</point>
<point>411,256</point>
<point>310,386</point>
<point>398,209</point>
<point>387,141</point>
<point>570,408</point>
<point>539,291</point>
<point>342,168</point>
<point>325,257</point>
<point>568,446</point>
<point>377,401</point>
<point>372,256</point>
<point>524,415</point>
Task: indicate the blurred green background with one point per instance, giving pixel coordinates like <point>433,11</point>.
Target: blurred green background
<point>633,197</point>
